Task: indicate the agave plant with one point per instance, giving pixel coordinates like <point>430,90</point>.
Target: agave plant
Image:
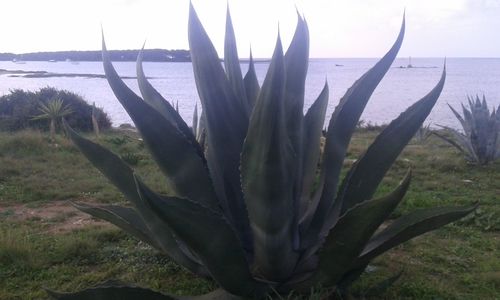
<point>249,211</point>
<point>480,140</point>
<point>423,133</point>
<point>54,110</point>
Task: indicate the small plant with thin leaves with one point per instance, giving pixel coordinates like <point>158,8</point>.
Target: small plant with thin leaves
<point>480,139</point>
<point>423,133</point>
<point>54,111</point>
<point>249,210</point>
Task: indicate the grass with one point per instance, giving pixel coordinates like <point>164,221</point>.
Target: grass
<point>35,170</point>
<point>459,261</point>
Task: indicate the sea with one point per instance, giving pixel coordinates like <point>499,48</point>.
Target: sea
<point>399,89</point>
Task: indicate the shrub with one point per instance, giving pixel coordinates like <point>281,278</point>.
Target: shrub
<point>18,108</point>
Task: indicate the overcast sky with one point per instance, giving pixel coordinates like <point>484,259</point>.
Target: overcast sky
<point>338,28</point>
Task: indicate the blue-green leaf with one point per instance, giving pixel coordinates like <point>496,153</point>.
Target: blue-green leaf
<point>459,141</point>
<point>410,226</point>
<point>226,122</point>
<point>195,120</point>
<point>112,292</point>
<point>313,124</point>
<point>211,237</point>
<point>252,87</point>
<point>122,176</point>
<point>232,64</point>
<point>371,168</point>
<point>296,64</point>
<point>459,117</point>
<point>266,168</point>
<point>176,156</point>
<point>125,218</point>
<point>156,100</point>
<point>347,239</point>
<point>341,127</point>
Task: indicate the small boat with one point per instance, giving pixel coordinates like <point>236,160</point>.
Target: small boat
<point>52,60</point>
<point>16,61</point>
<point>74,62</point>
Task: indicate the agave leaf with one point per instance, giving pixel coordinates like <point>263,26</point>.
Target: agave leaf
<point>120,292</point>
<point>492,136</point>
<point>460,141</point>
<point>226,123</point>
<point>195,120</point>
<point>452,142</point>
<point>468,120</point>
<point>121,176</point>
<point>232,64</point>
<point>349,236</point>
<point>156,100</point>
<point>175,154</point>
<point>460,118</point>
<point>478,137</point>
<point>313,124</point>
<point>125,218</point>
<point>410,226</point>
<point>308,215</point>
<point>266,167</point>
<point>252,87</point>
<point>111,292</point>
<point>201,128</point>
<point>210,236</point>
<point>371,168</point>
<point>381,287</point>
<point>218,294</point>
<point>296,64</point>
<point>341,127</point>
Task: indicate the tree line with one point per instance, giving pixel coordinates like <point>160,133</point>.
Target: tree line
<point>155,55</point>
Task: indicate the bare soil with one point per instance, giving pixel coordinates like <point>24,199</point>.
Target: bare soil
<point>54,217</point>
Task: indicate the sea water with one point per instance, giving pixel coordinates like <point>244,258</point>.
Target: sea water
<point>400,88</point>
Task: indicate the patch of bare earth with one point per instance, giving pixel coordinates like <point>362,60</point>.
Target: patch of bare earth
<point>54,217</point>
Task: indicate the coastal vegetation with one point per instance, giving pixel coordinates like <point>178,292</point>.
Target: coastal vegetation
<point>45,242</point>
<point>54,111</point>
<point>283,226</point>
<point>156,55</point>
<point>480,139</point>
<point>253,200</point>
<point>19,110</point>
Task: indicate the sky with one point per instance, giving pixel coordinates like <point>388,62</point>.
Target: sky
<point>338,28</point>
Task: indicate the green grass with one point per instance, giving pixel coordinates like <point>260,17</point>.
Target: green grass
<point>35,170</point>
<point>459,261</point>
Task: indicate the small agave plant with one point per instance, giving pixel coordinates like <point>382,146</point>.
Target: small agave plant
<point>53,110</point>
<point>423,133</point>
<point>247,208</point>
<point>480,140</point>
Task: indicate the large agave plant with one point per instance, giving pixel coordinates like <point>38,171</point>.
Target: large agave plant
<point>249,210</point>
<point>480,140</point>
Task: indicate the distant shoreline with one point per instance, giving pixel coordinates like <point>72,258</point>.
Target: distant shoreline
<point>151,55</point>
<point>45,74</point>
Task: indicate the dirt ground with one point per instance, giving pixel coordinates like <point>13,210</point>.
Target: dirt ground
<point>55,217</point>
